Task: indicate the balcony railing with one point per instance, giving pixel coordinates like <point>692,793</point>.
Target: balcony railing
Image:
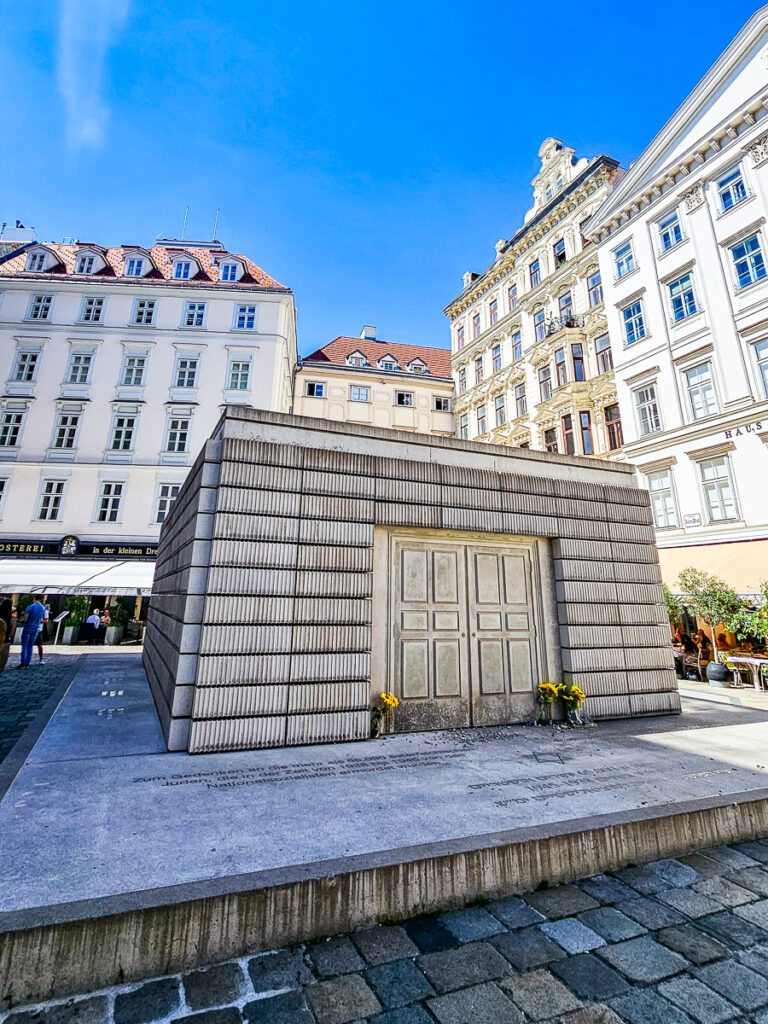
<point>556,324</point>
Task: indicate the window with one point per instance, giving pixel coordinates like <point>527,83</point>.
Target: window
<point>84,265</point>
<point>682,298</point>
<point>26,364</point>
<point>535,272</point>
<point>481,426</point>
<point>647,406</point>
<point>634,322</point>
<point>559,252</point>
<point>559,183</point>
<point>464,427</point>
<point>404,398</point>
<point>359,394</point>
<point>500,408</point>
<point>194,314</point>
<point>92,310</point>
<point>603,353</point>
<point>565,305</point>
<point>670,231</point>
<point>512,297</point>
<point>718,489</point>
<point>731,188</point>
<point>545,382</point>
<point>178,434</point>
<point>50,499</point>
<point>417,367</point>
<point>478,370</point>
<point>462,380</point>
<point>561,371</point>
<point>613,431</point>
<point>144,312</point>
<point>550,440</point>
<point>460,337</point>
<point>701,391</point>
<point>761,355</point>
<point>476,325</point>
<point>521,402</point>
<point>3,489</point>
<point>517,345</point>
<point>40,307</point>
<point>493,311</point>
<point>585,422</point>
<point>624,259</point>
<point>595,289</point>
<point>228,272</point>
<point>10,428</point>
<point>133,371</point>
<point>245,318</point>
<point>110,498</point>
<point>134,267</point>
<point>568,441</point>
<point>166,495</point>
<point>441,403</point>
<point>314,389</point>
<point>577,354</point>
<point>388,364</point>
<point>496,357</point>
<point>748,261</point>
<point>662,496</point>
<point>548,193</point>
<point>186,373</point>
<point>66,431</point>
<point>122,433</point>
<point>79,368</point>
<point>182,269</point>
<point>539,326</point>
<point>36,262</point>
<point>239,375</point>
<point>356,359</point>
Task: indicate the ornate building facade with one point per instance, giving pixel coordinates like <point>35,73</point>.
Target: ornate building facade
<point>531,354</point>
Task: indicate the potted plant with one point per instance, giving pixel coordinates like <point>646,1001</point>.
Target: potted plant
<point>383,713</point>
<point>714,601</point>
<point>78,607</point>
<point>119,615</point>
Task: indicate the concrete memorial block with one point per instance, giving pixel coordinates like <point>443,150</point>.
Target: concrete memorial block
<point>308,566</point>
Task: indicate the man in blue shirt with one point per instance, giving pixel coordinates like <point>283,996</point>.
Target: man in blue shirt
<point>33,622</point>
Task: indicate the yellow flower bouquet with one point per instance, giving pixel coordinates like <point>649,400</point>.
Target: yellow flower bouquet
<point>382,714</point>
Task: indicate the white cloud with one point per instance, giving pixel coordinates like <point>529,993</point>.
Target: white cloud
<point>87,29</point>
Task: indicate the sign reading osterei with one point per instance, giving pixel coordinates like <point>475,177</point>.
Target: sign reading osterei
<point>73,547</point>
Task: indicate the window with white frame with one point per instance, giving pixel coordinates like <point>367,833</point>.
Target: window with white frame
<point>462,380</point>
<point>314,389</point>
<point>245,317</point>
<point>92,309</point>
<point>731,188</point>
<point>603,353</point>
<point>144,312</point>
<point>405,399</point>
<point>36,262</point>
<point>633,318</point>
<point>123,429</point>
<point>134,267</point>
<point>177,437</point>
<point>166,495</point>
<point>748,262</point>
<point>85,265</point>
<point>624,259</point>
<point>416,366</point>
<point>387,364</point>
<point>26,366</point>
<point>79,368</point>
<point>761,357</point>
<point>10,428</point>
<point>228,272</point>
<point>545,382</point>
<point>356,359</point>
<point>441,403</point>
<point>670,230</point>
<point>40,307</point>
<point>717,485</point>
<point>647,409</point>
<point>110,500</point>
<point>182,270</point>
<point>500,408</point>
<point>239,374</point>
<point>521,401</point>
<point>186,372</point>
<point>595,289</point>
<point>561,370</point>
<point>51,496</point>
<point>702,398</point>
<point>194,314</point>
<point>662,494</point>
<point>358,393</point>
<point>682,298</point>
<point>539,325</point>
<point>66,430</point>
<point>133,371</point>
<point>481,424</point>
<point>464,426</point>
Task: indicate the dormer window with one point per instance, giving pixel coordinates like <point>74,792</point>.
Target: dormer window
<point>36,262</point>
<point>387,363</point>
<point>182,270</point>
<point>228,272</point>
<point>134,267</point>
<point>417,366</point>
<point>85,264</point>
<point>357,359</point>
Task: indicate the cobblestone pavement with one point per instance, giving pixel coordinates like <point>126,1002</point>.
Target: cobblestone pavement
<point>681,941</point>
<point>24,693</point>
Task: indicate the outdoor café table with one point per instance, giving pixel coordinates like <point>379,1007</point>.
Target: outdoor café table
<point>754,664</point>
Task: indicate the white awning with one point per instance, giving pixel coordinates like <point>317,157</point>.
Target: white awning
<point>75,576</point>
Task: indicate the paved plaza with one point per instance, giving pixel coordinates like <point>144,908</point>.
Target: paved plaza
<point>23,695</point>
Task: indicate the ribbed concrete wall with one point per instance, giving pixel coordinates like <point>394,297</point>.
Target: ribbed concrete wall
<point>260,627</point>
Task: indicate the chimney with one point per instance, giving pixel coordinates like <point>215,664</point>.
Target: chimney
<point>368,333</point>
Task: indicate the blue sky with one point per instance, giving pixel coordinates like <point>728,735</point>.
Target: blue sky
<point>364,154</point>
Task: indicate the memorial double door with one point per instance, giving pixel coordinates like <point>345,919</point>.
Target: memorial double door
<point>463,634</point>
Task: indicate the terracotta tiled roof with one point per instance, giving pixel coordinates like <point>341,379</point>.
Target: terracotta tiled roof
<point>161,257</point>
<point>438,360</point>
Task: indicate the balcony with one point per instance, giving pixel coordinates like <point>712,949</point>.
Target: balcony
<point>556,324</point>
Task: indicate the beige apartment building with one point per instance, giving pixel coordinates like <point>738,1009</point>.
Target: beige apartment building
<point>378,383</point>
<point>531,353</point>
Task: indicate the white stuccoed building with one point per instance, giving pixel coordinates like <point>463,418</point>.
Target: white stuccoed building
<point>116,363</point>
<point>682,249</point>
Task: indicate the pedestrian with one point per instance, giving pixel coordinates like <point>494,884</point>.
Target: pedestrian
<point>92,622</point>
<point>33,620</point>
<point>42,638</point>
<point>6,631</point>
